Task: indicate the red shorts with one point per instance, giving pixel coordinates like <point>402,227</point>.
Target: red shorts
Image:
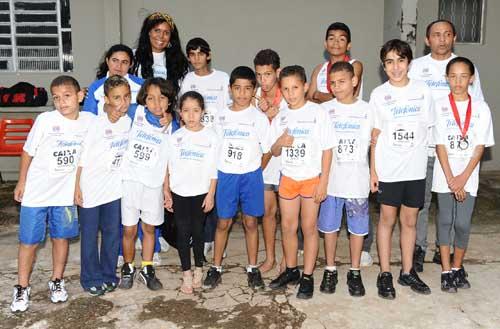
<point>290,188</point>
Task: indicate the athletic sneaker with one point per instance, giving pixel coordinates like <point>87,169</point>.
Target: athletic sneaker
<point>418,259</point>
<point>366,259</point>
<point>58,293</point>
<point>461,279</point>
<point>148,277</point>
<point>355,284</point>
<point>20,298</point>
<point>212,279</point>
<point>96,291</point>
<point>164,246</point>
<point>448,283</point>
<point>385,286</point>
<point>413,281</point>
<point>127,276</point>
<point>109,286</point>
<point>288,276</point>
<point>156,259</point>
<point>329,282</point>
<point>306,287</point>
<point>255,279</point>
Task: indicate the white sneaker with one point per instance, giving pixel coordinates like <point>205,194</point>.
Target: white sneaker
<point>20,298</point>
<point>120,262</point>
<point>58,293</point>
<point>208,246</point>
<point>156,259</point>
<point>366,259</point>
<point>164,246</point>
<point>138,244</point>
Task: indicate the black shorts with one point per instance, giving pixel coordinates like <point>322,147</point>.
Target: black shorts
<point>409,193</point>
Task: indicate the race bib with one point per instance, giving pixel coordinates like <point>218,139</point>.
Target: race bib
<point>403,135</point>
<point>348,150</point>
<point>144,155</point>
<point>65,155</point>
<point>458,146</point>
<point>116,160</point>
<point>299,154</point>
<point>235,152</point>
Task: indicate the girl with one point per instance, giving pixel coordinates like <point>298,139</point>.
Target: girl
<point>192,180</point>
<point>463,130</point>
<point>144,170</point>
<point>159,52</point>
<point>118,60</point>
<point>99,189</point>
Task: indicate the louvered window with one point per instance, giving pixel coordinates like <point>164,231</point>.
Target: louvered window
<point>467,16</point>
<point>35,36</point>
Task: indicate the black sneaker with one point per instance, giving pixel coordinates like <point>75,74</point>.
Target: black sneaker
<point>96,291</point>
<point>212,279</point>
<point>289,276</point>
<point>255,279</point>
<point>109,286</point>
<point>385,286</point>
<point>461,279</point>
<point>418,259</point>
<point>306,287</point>
<point>127,276</point>
<point>413,281</point>
<point>355,284</point>
<point>448,283</point>
<point>329,282</point>
<point>148,277</point>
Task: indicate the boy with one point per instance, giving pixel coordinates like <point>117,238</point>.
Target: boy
<point>213,85</point>
<point>463,130</point>
<point>243,133</point>
<point>46,188</point>
<point>403,115</point>
<point>337,44</point>
<point>302,135</point>
<point>440,38</point>
<point>349,184</point>
<point>98,189</point>
<point>270,102</point>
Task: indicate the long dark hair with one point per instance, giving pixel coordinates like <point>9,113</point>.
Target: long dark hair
<point>175,60</point>
<point>103,69</point>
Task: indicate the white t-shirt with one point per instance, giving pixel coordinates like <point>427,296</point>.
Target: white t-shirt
<point>404,116</point>
<point>159,65</point>
<point>272,171</point>
<point>215,91</point>
<point>102,156</point>
<point>146,158</point>
<point>313,133</point>
<point>433,73</point>
<point>193,161</point>
<point>322,79</point>
<point>446,132</point>
<point>243,138</point>
<point>55,144</point>
<point>350,173</point>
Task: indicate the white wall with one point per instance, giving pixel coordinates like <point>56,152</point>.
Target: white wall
<point>485,57</point>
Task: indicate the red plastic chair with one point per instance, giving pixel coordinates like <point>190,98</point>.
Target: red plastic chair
<point>13,134</point>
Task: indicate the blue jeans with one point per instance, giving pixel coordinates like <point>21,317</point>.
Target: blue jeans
<point>98,265</point>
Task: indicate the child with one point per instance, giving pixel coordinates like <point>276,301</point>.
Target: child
<point>302,135</point>
<point>46,188</point>
<point>192,180</point>
<point>144,170</point>
<point>99,189</point>
<point>402,118</point>
<point>464,128</point>
<point>243,133</point>
<point>270,102</point>
<point>349,184</point>
<point>214,86</point>
<point>337,44</point>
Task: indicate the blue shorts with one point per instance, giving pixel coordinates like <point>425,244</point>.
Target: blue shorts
<point>331,210</point>
<point>235,189</point>
<point>62,222</point>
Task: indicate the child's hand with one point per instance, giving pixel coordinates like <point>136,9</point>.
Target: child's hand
<point>19,191</point>
<point>263,104</point>
<point>285,140</point>
<point>457,183</point>
<point>208,203</point>
<point>319,193</point>
<point>78,196</point>
<point>168,203</point>
<point>114,113</point>
<point>373,182</point>
<point>460,195</point>
<point>166,119</point>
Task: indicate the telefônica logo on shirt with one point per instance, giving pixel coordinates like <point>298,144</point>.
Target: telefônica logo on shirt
<point>403,111</point>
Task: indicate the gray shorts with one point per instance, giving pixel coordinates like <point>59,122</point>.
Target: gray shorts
<point>271,187</point>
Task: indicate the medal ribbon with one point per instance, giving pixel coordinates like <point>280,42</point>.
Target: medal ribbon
<point>468,114</point>
<point>328,67</point>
